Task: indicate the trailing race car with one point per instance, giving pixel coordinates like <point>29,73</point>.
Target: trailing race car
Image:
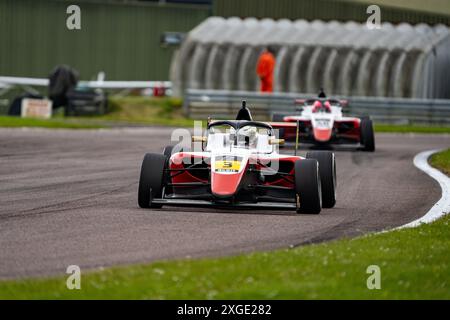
<point>238,166</point>
<point>320,122</point>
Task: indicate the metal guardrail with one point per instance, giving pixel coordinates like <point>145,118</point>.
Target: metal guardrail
<point>199,104</point>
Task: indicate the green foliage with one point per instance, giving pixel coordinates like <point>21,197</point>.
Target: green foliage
<point>441,161</point>
<point>14,122</point>
<point>410,128</point>
<point>146,110</point>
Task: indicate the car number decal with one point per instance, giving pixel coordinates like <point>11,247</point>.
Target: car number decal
<point>323,122</point>
<point>227,164</point>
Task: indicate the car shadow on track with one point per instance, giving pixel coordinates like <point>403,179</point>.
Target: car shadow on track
<point>239,211</point>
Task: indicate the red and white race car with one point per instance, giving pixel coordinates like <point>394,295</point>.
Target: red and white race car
<point>320,121</point>
<point>238,166</point>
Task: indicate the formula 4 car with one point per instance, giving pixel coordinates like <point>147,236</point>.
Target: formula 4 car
<point>320,122</point>
<point>238,166</point>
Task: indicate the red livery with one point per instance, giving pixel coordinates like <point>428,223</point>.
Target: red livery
<point>320,121</point>
<point>237,165</point>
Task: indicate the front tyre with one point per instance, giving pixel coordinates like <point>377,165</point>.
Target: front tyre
<point>168,151</point>
<point>367,135</point>
<point>151,180</point>
<point>307,186</point>
<point>327,170</point>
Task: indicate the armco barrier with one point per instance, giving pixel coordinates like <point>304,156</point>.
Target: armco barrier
<point>200,104</point>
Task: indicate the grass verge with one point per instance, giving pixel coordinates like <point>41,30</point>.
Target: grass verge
<point>16,122</point>
<point>410,128</point>
<point>147,110</point>
<point>441,161</point>
<point>414,264</point>
<point>129,110</point>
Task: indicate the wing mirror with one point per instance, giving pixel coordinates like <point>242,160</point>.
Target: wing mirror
<point>276,141</point>
<point>199,139</point>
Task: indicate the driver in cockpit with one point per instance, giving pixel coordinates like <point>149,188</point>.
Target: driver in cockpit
<point>321,106</point>
<point>248,136</point>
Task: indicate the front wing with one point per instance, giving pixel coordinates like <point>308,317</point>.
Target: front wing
<point>205,204</point>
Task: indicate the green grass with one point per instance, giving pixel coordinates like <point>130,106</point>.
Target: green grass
<point>15,122</point>
<point>130,110</point>
<point>414,263</point>
<point>441,161</point>
<point>147,110</point>
<point>410,128</point>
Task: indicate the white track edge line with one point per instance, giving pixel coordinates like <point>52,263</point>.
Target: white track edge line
<point>440,208</point>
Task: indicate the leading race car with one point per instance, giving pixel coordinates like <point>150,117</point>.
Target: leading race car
<point>320,122</point>
<point>238,166</point>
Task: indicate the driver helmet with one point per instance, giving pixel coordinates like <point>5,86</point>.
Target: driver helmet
<point>316,106</point>
<point>248,135</point>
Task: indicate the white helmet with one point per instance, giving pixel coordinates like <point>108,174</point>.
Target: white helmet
<point>247,136</point>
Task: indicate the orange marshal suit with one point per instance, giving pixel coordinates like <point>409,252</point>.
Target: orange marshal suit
<point>264,69</point>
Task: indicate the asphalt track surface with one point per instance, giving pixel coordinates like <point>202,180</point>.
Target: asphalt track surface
<point>70,197</point>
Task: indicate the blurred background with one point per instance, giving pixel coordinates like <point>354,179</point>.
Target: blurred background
<point>206,51</point>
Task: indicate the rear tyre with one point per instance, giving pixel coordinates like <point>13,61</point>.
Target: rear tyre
<point>307,186</point>
<point>151,180</point>
<point>367,135</point>
<point>327,171</point>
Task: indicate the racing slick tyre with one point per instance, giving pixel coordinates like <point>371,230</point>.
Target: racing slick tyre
<point>327,171</point>
<point>168,151</point>
<point>307,186</point>
<point>367,136</point>
<point>151,180</point>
